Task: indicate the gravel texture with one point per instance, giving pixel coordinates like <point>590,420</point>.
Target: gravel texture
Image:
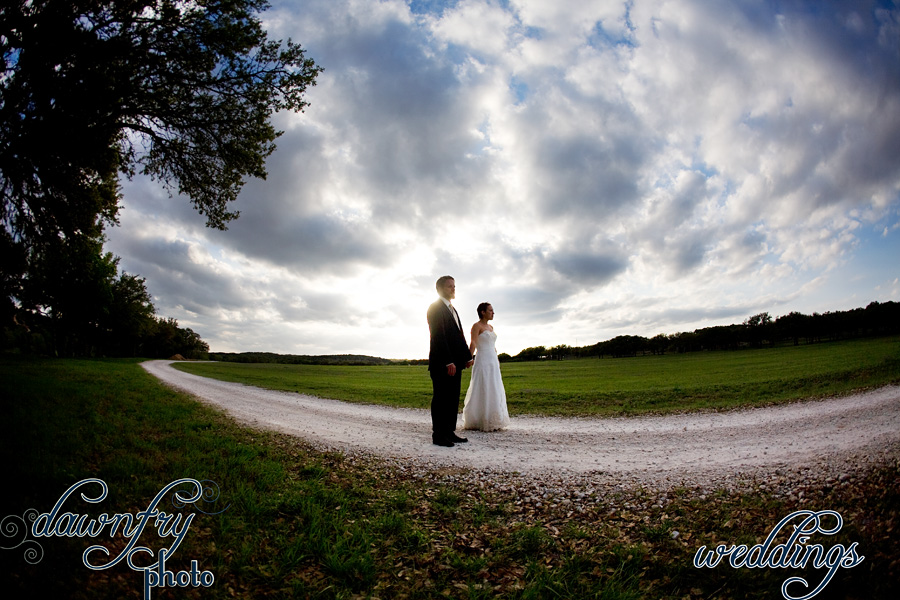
<point>780,450</point>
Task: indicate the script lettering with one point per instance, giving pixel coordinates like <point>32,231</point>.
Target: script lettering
<point>793,553</point>
<point>59,523</point>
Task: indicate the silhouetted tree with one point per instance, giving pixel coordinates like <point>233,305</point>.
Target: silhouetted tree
<point>70,285</point>
<point>91,89</point>
<point>131,316</point>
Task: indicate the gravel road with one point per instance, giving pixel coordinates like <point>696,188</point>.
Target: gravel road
<point>831,437</point>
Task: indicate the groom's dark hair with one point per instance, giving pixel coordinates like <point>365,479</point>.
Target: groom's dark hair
<point>441,281</point>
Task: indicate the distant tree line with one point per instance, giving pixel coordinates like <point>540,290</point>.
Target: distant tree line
<point>71,300</point>
<point>76,303</point>
<point>757,331</point>
<point>299,359</point>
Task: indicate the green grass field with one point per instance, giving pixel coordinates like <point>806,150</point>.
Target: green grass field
<point>302,523</point>
<point>668,383</point>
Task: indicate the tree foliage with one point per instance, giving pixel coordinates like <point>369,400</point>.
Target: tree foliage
<point>181,91</point>
<point>75,302</point>
<point>94,89</point>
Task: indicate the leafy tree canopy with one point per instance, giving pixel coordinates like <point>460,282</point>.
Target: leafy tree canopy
<point>181,91</point>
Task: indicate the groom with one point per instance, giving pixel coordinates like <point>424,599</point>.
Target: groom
<point>448,356</point>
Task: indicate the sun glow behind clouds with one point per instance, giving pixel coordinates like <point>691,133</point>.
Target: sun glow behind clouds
<point>591,168</point>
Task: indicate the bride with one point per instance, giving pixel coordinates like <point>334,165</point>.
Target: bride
<point>485,406</point>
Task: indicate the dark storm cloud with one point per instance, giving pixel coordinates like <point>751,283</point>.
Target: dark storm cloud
<point>176,279</point>
<point>585,154</point>
<point>585,269</point>
<point>524,305</point>
<point>586,177</point>
<point>313,244</point>
<point>538,282</point>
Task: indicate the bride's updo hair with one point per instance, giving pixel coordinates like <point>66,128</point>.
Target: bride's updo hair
<point>482,308</point>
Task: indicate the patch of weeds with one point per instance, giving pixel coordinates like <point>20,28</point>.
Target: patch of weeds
<point>577,565</point>
<point>497,511</point>
<point>478,591</point>
<point>399,501</point>
<point>658,532</point>
<point>412,540</point>
<point>446,501</point>
<point>348,559</point>
<point>469,565</point>
<point>574,530</point>
<point>481,514</point>
<point>390,524</point>
<point>314,471</point>
<point>627,556</point>
<point>530,541</point>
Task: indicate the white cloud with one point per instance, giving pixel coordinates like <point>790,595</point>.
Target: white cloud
<point>481,27</point>
<point>590,168</point>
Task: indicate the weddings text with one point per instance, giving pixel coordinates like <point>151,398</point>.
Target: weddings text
<point>793,553</point>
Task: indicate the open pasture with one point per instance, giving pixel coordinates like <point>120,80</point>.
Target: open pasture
<point>609,386</point>
<point>300,523</point>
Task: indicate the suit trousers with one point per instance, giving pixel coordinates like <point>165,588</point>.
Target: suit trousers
<point>444,402</point>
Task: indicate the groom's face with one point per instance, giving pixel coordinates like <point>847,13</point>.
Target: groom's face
<point>448,291</point>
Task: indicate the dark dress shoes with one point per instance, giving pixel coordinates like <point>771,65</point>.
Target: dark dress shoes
<point>442,442</point>
<point>457,439</point>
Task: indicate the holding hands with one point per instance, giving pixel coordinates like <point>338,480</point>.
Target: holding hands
<point>451,368</point>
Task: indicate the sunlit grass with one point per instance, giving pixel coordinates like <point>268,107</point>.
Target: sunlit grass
<point>611,386</point>
<point>310,524</point>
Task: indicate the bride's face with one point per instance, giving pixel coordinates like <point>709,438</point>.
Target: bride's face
<point>489,312</point>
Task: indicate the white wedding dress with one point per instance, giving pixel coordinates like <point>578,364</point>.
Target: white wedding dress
<point>485,406</point>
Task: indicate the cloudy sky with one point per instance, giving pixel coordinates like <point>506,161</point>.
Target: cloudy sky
<point>591,168</point>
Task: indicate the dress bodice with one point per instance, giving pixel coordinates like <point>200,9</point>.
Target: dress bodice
<point>486,340</point>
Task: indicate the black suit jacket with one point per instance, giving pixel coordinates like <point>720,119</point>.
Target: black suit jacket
<point>448,343</point>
